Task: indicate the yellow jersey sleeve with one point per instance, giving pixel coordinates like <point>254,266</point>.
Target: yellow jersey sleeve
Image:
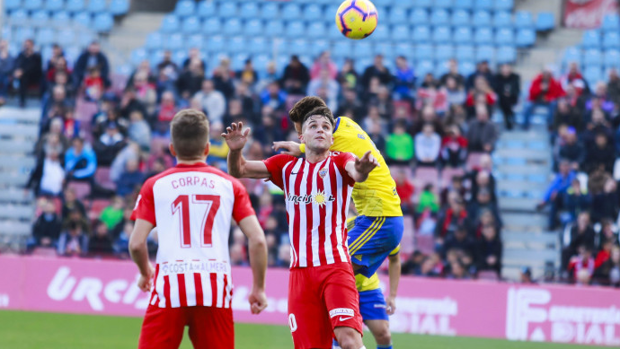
<point>376,197</point>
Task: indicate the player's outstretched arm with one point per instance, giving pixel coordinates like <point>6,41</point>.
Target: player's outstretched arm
<point>140,254</point>
<point>288,147</point>
<point>394,274</point>
<point>238,166</point>
<point>361,168</point>
<point>258,262</point>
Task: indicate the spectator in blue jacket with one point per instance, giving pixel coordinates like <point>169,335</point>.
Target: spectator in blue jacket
<point>7,64</point>
<point>404,79</point>
<point>80,161</point>
<point>130,179</point>
<point>554,195</point>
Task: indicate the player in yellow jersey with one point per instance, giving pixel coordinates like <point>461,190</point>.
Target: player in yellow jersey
<point>379,226</point>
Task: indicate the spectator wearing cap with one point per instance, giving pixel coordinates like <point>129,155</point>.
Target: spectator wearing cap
<point>482,69</point>
<point>295,77</point>
<point>555,191</point>
<point>7,64</point>
<point>28,70</point>
<point>544,91</point>
<point>508,88</point>
<point>376,70</point>
<point>482,133</point>
<point>212,100</point>
<point>92,57</point>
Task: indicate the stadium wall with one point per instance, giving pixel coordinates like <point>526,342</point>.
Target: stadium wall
<point>552,313</point>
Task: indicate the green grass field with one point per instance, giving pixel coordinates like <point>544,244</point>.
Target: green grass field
<point>21,330</point>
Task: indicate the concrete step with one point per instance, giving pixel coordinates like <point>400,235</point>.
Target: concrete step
<point>529,154</point>
<point>12,228</point>
<point>519,256</point>
<point>13,179</point>
<point>30,132</point>
<point>17,163</point>
<point>17,212</point>
<point>543,238</point>
<point>517,204</point>
<point>16,195</point>
<point>522,170</point>
<point>526,136</point>
<point>15,147</point>
<point>523,186</point>
<point>531,222</point>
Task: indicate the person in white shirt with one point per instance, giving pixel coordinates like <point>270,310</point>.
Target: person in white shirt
<point>213,101</point>
<point>427,146</point>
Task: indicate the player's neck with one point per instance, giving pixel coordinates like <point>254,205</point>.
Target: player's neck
<point>192,162</point>
<point>313,156</point>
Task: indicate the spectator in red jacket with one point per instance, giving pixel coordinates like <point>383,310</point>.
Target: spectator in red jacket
<point>544,91</point>
<point>575,79</point>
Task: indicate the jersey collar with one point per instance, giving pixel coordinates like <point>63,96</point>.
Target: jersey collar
<point>194,165</point>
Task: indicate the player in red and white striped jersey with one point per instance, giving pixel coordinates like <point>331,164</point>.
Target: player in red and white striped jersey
<point>323,300</point>
<point>192,206</point>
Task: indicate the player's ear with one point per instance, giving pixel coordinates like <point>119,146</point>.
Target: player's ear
<point>172,151</point>
<point>207,147</point>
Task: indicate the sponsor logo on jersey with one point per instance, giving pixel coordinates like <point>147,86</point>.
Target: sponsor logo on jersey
<point>320,198</point>
<point>343,313</point>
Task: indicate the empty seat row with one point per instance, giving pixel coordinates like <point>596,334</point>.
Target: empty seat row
<point>596,39</point>
<point>609,58</point>
<point>48,36</point>
<point>102,22</point>
<point>116,7</point>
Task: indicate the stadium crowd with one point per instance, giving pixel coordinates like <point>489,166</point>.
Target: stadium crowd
<point>91,165</point>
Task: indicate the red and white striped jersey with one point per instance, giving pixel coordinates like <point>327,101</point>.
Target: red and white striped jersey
<point>317,202</point>
<point>192,207</point>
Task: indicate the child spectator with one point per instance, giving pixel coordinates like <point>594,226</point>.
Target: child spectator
<point>428,201</point>
<point>93,84</point>
<point>47,227</point>
<point>405,190</point>
<point>113,214</point>
<point>453,148</point>
<point>399,146</point>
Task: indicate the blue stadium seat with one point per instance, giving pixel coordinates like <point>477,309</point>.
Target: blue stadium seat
<point>232,26</point>
<point>19,16</point>
<point>593,74</point>
<point>462,35</point>
<point>523,19</point>
<point>174,42</point>
<point>486,5</point>
<point>401,49</point>
<point>65,37</point>
<point>270,10</point>
<point>483,36</point>
<point>50,5</point>
<point>545,21</point>
<point>249,10</point>
<point>40,18</point>
<point>179,57</point>
<point>96,6</point>
<point>61,18</point>
<point>119,7</point>
<point>460,18</point>
<point>388,51</point>
<point>383,2</point>
<point>313,12</point>
<point>418,16</point>
<point>257,45</point>
<point>260,63</point>
<point>397,16</point>
<point>467,67</point>
<point>485,53</point>
<point>75,5</point>
<point>195,41</point>
<point>253,27</point>
<point>506,54</point>
<point>611,40</point>
<point>71,54</point>
<point>330,13</point>
<point>10,5</point>
<point>295,30</point>
<point>342,49</point>
<point>83,18</point>
<point>423,68</point>
<point>481,19</point>
<point>238,61</point>
<point>612,58</point>
<point>46,36</point>
<point>421,34</point>
<point>291,12</point>
<point>525,37</point>
<point>592,57</point>
<point>215,44</point>
<point>32,5</point>
<point>502,19</point>
<point>440,17</point>
<point>465,53</point>
<point>212,26</point>
<point>464,4</point>
<point>155,57</point>
<point>316,30</point>
<point>85,37</point>
<point>361,64</point>
<point>169,24</point>
<point>206,8</point>
<point>611,22</point>
<point>445,4</point>
<point>185,8</point>
<point>227,9</point>
<point>363,49</point>
<point>318,46</point>
<point>444,52</point>
<point>103,22</point>
<point>237,44</point>
<point>382,33</point>
<point>333,33</point>
<point>591,39</point>
<point>275,28</point>
<point>572,54</point>
<point>504,5</point>
<point>504,37</point>
<point>416,3</point>
<point>424,52</point>
<point>154,41</point>
<point>442,35</point>
<point>191,25</point>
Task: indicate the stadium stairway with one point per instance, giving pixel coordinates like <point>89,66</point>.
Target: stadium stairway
<point>19,129</point>
<point>522,163</point>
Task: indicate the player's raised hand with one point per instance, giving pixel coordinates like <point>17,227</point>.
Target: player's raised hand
<point>145,282</point>
<point>258,301</point>
<point>235,136</point>
<point>367,163</point>
<point>287,147</point>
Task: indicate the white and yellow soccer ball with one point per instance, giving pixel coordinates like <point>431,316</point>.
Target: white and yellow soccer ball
<point>357,19</point>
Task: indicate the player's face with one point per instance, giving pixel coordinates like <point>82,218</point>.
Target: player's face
<point>317,133</point>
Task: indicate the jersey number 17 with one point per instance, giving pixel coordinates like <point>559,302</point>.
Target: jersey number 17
<point>207,205</point>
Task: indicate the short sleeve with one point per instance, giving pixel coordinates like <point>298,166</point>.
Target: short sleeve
<point>145,205</point>
<point>242,207</point>
<point>275,164</point>
<point>341,161</point>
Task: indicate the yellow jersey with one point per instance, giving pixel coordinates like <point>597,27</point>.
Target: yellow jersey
<point>363,283</point>
<point>376,197</point>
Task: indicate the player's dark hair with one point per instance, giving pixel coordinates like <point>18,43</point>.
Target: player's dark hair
<point>323,111</point>
<point>189,131</point>
<point>305,105</point>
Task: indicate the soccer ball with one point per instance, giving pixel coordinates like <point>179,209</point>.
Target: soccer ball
<point>356,19</point>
